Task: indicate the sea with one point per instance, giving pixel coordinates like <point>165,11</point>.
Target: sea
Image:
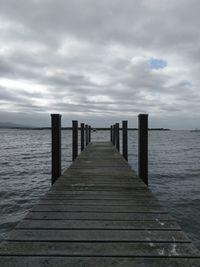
<point>174,172</point>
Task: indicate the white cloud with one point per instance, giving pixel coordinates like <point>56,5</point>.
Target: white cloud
<point>91,58</point>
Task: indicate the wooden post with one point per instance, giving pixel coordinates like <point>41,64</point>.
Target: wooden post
<point>82,136</point>
<point>114,135</point>
<point>74,139</point>
<point>86,134</point>
<point>111,134</point>
<point>125,139</point>
<point>143,147</point>
<point>117,136</point>
<point>56,147</point>
<point>89,134</point>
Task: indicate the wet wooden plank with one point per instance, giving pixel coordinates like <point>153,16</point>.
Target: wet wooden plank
<point>125,192</point>
<point>102,202</point>
<point>85,196</point>
<point>110,249</point>
<point>36,261</point>
<point>105,188</point>
<point>93,224</point>
<point>98,181</point>
<point>78,175</point>
<point>99,235</point>
<point>98,208</point>
<point>98,216</point>
<point>113,183</point>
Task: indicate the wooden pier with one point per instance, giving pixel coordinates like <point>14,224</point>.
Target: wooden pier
<point>98,213</point>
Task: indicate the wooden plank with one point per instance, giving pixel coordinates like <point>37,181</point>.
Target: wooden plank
<point>94,224</point>
<point>93,164</point>
<point>110,249</point>
<point>107,202</point>
<point>102,171</point>
<point>100,181</point>
<point>98,175</point>
<point>96,187</point>
<point>98,208</point>
<point>76,194</point>
<point>126,192</point>
<point>101,168</point>
<point>114,183</point>
<point>99,235</point>
<point>38,261</point>
<point>98,216</point>
<point>84,196</point>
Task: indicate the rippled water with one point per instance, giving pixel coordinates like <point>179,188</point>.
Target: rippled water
<point>174,170</point>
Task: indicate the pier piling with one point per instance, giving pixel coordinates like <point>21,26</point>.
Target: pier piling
<point>125,139</point>
<point>114,135</point>
<point>55,146</point>
<point>89,134</point>
<point>117,136</point>
<point>74,140</point>
<point>86,135</point>
<point>111,133</point>
<point>82,136</point>
<point>143,147</point>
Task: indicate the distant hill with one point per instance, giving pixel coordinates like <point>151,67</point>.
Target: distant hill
<point>10,125</point>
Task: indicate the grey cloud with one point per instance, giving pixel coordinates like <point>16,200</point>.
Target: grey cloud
<point>8,95</point>
<point>78,50</point>
<point>5,68</point>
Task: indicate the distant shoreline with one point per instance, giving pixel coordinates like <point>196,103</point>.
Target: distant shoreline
<point>70,128</point>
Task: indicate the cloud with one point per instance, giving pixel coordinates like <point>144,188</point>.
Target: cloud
<point>100,59</point>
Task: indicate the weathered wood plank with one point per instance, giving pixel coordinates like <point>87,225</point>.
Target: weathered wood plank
<point>107,202</point>
<point>110,249</point>
<point>86,224</point>
<point>98,208</point>
<point>102,171</point>
<point>126,192</point>
<point>89,261</point>
<point>99,235</point>
<point>116,176</point>
<point>85,196</point>
<point>97,188</point>
<point>98,216</point>
<point>99,182</point>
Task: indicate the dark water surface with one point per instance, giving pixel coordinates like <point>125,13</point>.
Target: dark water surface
<point>174,170</point>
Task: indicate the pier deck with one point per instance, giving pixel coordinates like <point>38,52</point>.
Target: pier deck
<point>98,213</point>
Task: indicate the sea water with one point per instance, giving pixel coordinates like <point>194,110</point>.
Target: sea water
<point>174,172</point>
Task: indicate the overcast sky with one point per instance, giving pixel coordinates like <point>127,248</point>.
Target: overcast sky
<point>100,61</point>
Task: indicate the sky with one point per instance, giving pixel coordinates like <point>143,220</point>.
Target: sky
<point>100,62</point>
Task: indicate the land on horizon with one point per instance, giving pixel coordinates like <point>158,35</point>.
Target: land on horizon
<point>9,125</point>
